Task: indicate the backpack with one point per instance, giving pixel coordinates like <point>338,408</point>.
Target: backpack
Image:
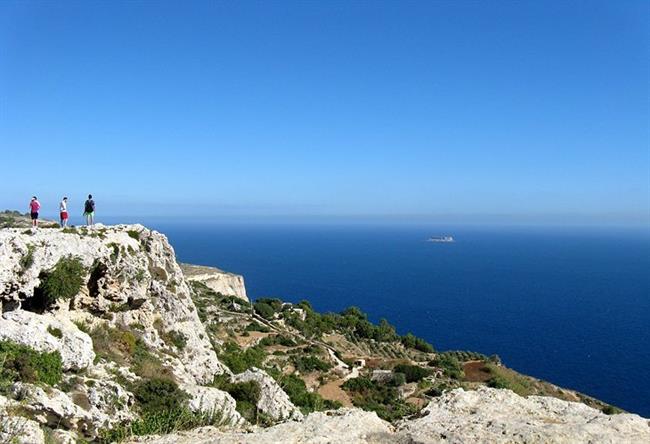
<point>90,206</point>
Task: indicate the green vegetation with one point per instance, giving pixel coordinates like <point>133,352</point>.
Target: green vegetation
<point>267,307</point>
<point>56,332</point>
<point>159,395</point>
<point>22,363</point>
<point>351,321</point>
<point>62,282</point>
<point>239,360</point>
<point>377,397</point>
<point>277,340</point>
<point>176,338</point>
<point>302,398</point>
<point>508,379</point>
<point>310,363</point>
<point>27,260</point>
<point>247,394</point>
<point>134,234</point>
<point>412,373</point>
<point>449,364</point>
<point>256,326</point>
<point>115,253</point>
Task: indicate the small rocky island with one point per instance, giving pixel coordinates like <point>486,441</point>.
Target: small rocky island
<point>104,337</point>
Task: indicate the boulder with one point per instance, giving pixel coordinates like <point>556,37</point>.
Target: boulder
<point>273,401</point>
<point>213,401</point>
<point>45,333</point>
<point>501,416</point>
<point>52,408</point>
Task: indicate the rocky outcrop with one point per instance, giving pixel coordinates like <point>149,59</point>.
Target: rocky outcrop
<point>213,401</point>
<point>47,334</point>
<point>483,416</point>
<point>344,426</point>
<point>52,408</point>
<point>273,401</point>
<point>132,278</point>
<point>228,284</point>
<point>500,416</point>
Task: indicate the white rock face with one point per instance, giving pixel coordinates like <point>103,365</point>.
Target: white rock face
<point>501,416</point>
<point>344,426</point>
<point>483,416</point>
<point>228,284</point>
<point>31,329</point>
<point>273,400</point>
<point>52,408</point>
<point>16,429</point>
<point>132,278</point>
<point>211,400</point>
<point>107,402</point>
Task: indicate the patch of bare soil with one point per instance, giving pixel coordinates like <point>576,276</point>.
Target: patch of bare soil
<point>247,341</point>
<point>476,371</point>
<point>333,391</point>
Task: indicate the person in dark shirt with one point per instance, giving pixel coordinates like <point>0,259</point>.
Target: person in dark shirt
<point>89,210</point>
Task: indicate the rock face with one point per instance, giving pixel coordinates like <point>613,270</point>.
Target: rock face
<point>273,401</point>
<point>483,416</point>
<point>210,400</point>
<point>46,334</point>
<point>132,278</point>
<point>343,426</point>
<point>228,284</point>
<point>500,416</point>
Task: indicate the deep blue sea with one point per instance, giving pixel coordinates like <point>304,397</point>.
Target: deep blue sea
<point>571,305</point>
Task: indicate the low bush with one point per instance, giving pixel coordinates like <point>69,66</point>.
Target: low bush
<point>56,332</point>
<point>22,363</point>
<point>256,326</point>
<point>302,398</point>
<point>411,341</point>
<point>239,360</point>
<point>310,363</point>
<point>380,398</point>
<point>159,395</point>
<point>62,282</point>
<point>449,364</point>
<point>412,373</point>
<point>27,260</point>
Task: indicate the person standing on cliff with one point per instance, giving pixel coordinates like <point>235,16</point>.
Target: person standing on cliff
<point>63,212</point>
<point>89,210</point>
<point>34,206</point>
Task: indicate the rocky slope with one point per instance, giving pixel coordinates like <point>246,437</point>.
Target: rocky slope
<point>482,416</point>
<point>103,336</point>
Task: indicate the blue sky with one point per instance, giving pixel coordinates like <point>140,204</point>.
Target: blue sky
<point>466,111</point>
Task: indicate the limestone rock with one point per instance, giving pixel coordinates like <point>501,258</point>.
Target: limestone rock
<point>52,408</point>
<point>19,430</point>
<point>228,284</point>
<point>46,334</point>
<point>214,401</point>
<point>343,426</point>
<point>500,416</point>
<point>273,401</point>
<point>132,278</point>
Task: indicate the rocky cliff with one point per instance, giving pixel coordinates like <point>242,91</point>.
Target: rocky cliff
<point>103,336</point>
<point>222,282</point>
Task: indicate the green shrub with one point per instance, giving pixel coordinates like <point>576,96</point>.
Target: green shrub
<point>302,398</point>
<point>256,326</point>
<point>159,395</point>
<point>162,423</point>
<point>239,360</point>
<point>412,373</point>
<point>27,260</point>
<point>22,363</point>
<point>377,397</point>
<point>411,341</point>
<point>310,363</point>
<point>498,382</point>
<point>134,234</point>
<point>56,332</point>
<point>62,282</point>
<point>450,365</point>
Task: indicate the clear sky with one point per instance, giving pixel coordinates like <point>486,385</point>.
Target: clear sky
<point>433,110</point>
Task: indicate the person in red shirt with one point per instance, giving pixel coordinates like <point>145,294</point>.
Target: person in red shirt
<point>34,206</point>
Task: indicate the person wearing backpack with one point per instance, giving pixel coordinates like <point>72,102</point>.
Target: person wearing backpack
<point>89,210</point>
<point>34,206</point>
